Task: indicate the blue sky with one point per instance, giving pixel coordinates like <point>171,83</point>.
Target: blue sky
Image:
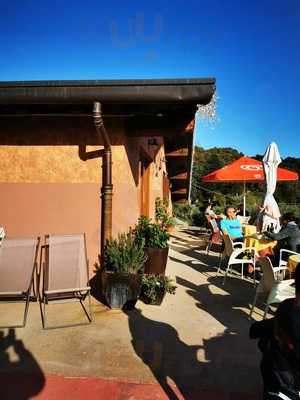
<point>251,47</point>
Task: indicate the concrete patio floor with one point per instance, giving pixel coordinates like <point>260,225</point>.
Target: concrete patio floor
<point>194,346</point>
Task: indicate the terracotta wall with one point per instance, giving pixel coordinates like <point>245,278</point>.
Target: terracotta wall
<point>45,187</point>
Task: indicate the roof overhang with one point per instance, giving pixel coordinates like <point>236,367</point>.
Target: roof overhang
<point>165,106</point>
<point>166,91</point>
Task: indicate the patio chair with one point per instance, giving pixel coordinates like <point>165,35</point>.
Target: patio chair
<point>243,220</point>
<point>18,258</point>
<point>237,254</point>
<point>216,236</point>
<point>64,269</point>
<point>274,289</point>
<point>283,258</point>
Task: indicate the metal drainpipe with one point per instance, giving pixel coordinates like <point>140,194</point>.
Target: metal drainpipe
<point>107,187</point>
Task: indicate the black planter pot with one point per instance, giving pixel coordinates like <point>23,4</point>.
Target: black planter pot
<point>121,290</point>
<point>159,296</point>
<point>157,260</point>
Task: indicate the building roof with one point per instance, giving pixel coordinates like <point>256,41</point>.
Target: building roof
<point>146,91</point>
<point>151,103</point>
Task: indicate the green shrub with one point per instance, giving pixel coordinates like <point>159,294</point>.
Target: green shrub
<point>162,215</point>
<point>183,212</point>
<point>294,208</point>
<point>191,214</point>
<point>198,217</point>
<point>152,284</point>
<point>151,234</point>
<point>124,254</point>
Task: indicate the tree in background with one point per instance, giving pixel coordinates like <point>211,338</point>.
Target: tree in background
<point>205,161</point>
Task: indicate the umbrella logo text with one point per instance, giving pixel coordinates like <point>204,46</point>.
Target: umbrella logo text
<point>252,167</point>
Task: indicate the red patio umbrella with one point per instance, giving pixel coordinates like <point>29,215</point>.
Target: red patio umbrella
<point>246,169</point>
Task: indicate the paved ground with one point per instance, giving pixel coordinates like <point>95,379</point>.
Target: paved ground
<point>194,346</point>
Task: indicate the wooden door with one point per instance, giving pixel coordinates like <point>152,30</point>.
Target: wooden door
<point>145,186</point>
<point>166,188</point>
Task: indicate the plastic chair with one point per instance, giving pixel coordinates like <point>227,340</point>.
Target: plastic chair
<point>234,252</point>
<point>18,258</point>
<point>243,220</point>
<point>65,274</point>
<point>282,262</point>
<point>274,289</point>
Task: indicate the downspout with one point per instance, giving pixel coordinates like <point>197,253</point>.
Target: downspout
<point>107,187</point>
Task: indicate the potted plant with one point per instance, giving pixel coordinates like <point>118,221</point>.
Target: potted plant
<point>162,215</point>
<point>155,239</point>
<point>155,287</point>
<point>121,275</point>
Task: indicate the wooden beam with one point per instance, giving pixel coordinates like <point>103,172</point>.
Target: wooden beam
<point>180,191</point>
<point>180,201</point>
<point>183,176</point>
<point>178,153</point>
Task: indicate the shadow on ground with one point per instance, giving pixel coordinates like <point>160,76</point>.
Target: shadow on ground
<point>207,264</point>
<point>21,378</point>
<point>168,357</point>
<point>96,288</point>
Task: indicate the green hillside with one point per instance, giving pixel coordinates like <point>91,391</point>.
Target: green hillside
<point>205,161</point>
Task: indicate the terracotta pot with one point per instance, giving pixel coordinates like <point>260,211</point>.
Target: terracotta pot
<point>121,290</point>
<point>170,228</point>
<point>157,260</point>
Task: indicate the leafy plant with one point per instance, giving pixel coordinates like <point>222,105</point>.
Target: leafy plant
<point>150,234</point>
<point>152,285</point>
<point>162,215</point>
<point>183,212</point>
<point>124,254</point>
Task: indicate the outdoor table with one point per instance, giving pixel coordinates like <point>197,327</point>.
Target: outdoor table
<point>262,246</point>
<point>248,229</point>
<point>293,260</point>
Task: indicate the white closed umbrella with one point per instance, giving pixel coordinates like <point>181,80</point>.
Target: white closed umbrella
<point>271,161</point>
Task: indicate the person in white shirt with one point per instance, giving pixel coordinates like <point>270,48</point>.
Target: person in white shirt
<point>209,212</point>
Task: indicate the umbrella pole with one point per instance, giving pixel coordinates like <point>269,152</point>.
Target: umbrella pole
<point>244,200</point>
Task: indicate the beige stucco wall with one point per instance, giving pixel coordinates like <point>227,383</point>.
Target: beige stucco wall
<point>45,187</point>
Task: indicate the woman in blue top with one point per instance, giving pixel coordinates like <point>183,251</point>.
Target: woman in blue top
<point>231,226</point>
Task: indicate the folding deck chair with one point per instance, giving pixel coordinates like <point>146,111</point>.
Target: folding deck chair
<point>64,274</point>
<point>18,258</point>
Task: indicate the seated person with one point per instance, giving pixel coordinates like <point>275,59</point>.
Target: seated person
<point>240,211</point>
<point>209,212</point>
<point>279,341</point>
<point>289,235</point>
<point>213,219</point>
<point>231,226</point>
